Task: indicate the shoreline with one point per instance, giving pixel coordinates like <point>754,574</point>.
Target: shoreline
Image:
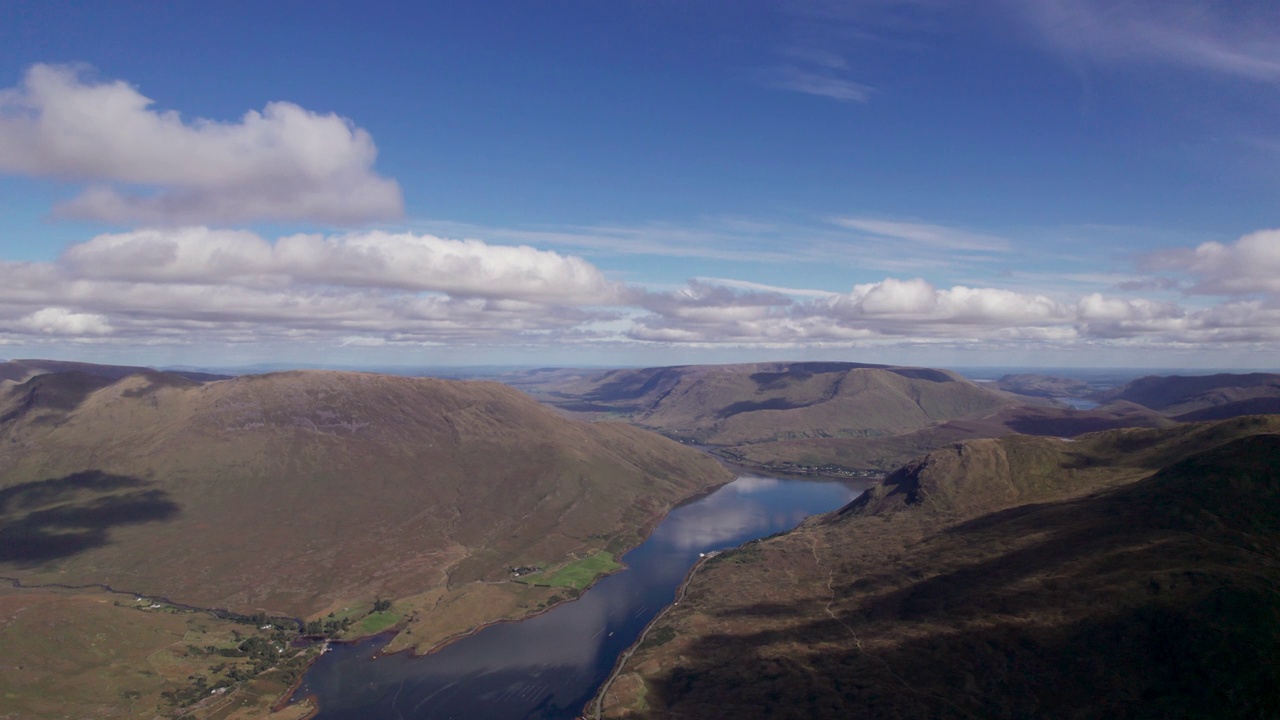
<point>598,700</point>
<point>649,526</point>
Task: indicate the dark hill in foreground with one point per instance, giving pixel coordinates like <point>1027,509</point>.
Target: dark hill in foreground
<point>1129,574</point>
<point>303,492</point>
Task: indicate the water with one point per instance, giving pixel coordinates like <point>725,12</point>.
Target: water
<point>550,665</point>
<point>1077,403</point>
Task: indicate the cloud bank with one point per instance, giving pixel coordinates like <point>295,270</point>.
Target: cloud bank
<point>197,285</point>
<point>152,167</point>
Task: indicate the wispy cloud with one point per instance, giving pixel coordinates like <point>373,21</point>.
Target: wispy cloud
<point>823,82</point>
<point>1236,39</point>
<point>762,287</point>
<point>937,236</point>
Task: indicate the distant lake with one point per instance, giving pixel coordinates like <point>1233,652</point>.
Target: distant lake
<point>550,665</point>
<point>1078,403</point>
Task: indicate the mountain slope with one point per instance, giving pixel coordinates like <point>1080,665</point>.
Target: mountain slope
<point>297,492</point>
<point>1176,395</point>
<point>1129,574</point>
<point>22,370</point>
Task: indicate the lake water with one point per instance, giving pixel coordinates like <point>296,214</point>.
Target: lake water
<point>550,665</point>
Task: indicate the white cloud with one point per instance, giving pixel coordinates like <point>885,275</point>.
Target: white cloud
<point>378,290</point>
<point>234,286</point>
<point>1251,264</point>
<point>60,321</point>
<point>370,259</point>
<point>283,163</point>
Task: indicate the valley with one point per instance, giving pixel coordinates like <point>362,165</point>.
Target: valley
<point>357,503</point>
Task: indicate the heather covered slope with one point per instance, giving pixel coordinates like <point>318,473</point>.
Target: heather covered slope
<point>1132,573</point>
<point>759,402</point>
<point>298,492</point>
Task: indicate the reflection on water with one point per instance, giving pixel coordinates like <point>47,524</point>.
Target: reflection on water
<point>1078,403</point>
<point>550,665</point>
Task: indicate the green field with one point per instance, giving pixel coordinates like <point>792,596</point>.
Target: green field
<point>378,621</point>
<point>577,574</point>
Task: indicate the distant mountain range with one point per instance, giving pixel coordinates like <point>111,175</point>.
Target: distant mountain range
<point>853,418</point>
<point>762,402</point>
<point>1127,574</point>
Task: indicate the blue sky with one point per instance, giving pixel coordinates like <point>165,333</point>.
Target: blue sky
<point>1000,183</point>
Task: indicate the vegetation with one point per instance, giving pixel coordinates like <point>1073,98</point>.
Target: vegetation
<point>578,574</point>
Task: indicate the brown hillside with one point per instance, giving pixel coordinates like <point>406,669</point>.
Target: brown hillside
<point>297,492</point>
<point>1128,574</point>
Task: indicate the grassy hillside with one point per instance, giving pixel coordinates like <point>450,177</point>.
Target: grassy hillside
<point>87,653</point>
<point>1128,574</point>
<point>301,493</point>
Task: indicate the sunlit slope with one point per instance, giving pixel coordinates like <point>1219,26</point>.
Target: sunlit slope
<point>1132,573</point>
<point>290,492</point>
<point>758,402</point>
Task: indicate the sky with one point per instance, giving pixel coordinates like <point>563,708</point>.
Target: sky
<point>1000,183</point>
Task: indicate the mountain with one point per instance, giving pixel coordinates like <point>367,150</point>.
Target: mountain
<point>1223,395</point>
<point>1128,574</point>
<point>728,405</point>
<point>304,492</point>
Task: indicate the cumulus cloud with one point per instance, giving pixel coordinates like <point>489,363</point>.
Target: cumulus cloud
<point>913,310</point>
<point>371,259</point>
<point>60,321</point>
<point>236,286</point>
<point>154,167</point>
<point>1248,265</point>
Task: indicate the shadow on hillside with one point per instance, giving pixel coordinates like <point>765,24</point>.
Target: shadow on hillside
<point>1154,600</point>
<point>1214,657</point>
<point>59,517</point>
<point>63,391</point>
